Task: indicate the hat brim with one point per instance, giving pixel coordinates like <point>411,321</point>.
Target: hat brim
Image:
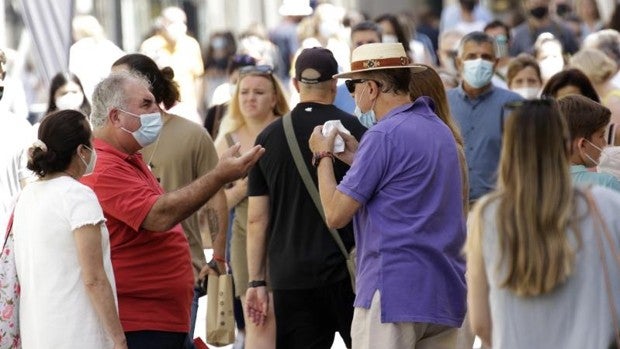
<point>415,68</point>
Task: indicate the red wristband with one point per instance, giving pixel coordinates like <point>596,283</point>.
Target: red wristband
<point>219,259</point>
<point>316,157</point>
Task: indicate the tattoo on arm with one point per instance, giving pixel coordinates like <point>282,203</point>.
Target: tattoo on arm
<point>213,222</point>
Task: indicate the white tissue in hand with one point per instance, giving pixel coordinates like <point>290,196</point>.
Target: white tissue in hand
<point>338,141</point>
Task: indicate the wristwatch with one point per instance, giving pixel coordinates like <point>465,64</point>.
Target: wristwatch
<point>257,283</point>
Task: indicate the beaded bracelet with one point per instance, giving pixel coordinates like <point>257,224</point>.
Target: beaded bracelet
<point>316,157</point>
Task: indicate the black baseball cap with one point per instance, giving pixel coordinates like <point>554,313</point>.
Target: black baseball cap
<point>314,65</point>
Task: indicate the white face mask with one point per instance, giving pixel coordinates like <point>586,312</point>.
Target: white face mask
<point>550,66</point>
<point>389,38</point>
<point>70,100</point>
<point>176,30</point>
<point>527,92</point>
<point>90,166</point>
<point>609,162</point>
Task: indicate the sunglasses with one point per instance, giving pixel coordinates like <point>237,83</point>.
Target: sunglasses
<point>352,82</point>
<point>255,70</point>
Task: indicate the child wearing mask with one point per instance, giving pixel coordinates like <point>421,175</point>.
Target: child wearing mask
<point>587,123</point>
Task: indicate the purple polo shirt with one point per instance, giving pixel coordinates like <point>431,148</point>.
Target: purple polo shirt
<point>410,228</point>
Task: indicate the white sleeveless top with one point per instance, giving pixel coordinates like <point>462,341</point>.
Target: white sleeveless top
<point>576,314</point>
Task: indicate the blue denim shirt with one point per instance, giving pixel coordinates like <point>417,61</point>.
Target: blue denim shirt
<point>481,122</point>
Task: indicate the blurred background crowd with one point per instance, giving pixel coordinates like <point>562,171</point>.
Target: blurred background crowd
<point>83,37</point>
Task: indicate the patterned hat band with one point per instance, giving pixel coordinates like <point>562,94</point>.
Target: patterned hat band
<point>380,63</point>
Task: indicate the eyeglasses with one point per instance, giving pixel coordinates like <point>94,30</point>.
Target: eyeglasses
<point>352,82</point>
<point>255,70</point>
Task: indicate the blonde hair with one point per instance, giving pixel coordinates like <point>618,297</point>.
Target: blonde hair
<point>429,83</point>
<point>535,202</point>
<point>233,120</point>
<point>595,64</point>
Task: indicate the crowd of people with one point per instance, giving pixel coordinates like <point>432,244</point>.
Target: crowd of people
<point>475,172</point>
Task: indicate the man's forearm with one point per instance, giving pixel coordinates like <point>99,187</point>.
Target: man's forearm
<point>256,251</point>
<point>327,186</point>
<point>217,219</point>
<point>173,207</point>
<point>258,220</point>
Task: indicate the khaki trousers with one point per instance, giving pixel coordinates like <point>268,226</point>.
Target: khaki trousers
<point>368,332</point>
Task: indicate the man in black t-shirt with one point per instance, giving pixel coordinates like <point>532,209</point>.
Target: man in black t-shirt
<point>312,293</point>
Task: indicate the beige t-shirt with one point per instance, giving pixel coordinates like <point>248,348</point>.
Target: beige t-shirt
<point>183,152</point>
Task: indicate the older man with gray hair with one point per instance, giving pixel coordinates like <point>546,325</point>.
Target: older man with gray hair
<point>406,206</point>
<point>150,253</point>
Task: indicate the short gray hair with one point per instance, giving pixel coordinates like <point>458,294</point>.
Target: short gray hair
<point>478,38</point>
<point>394,81</point>
<point>111,93</point>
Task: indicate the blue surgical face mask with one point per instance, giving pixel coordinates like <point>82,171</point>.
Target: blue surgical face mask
<point>150,126</point>
<point>368,119</point>
<point>477,72</point>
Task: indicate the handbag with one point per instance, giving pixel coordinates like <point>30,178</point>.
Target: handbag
<point>220,316</point>
<point>603,231</point>
<point>9,293</point>
<point>293,145</point>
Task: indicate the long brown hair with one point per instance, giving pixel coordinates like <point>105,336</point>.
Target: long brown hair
<point>428,83</point>
<point>535,202</point>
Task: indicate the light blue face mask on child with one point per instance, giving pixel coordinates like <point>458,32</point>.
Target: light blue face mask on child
<point>368,119</point>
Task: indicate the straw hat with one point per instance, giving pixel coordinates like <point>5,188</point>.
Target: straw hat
<point>295,8</point>
<point>379,56</point>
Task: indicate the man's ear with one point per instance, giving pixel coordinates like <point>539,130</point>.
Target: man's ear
<point>458,63</point>
<point>296,84</point>
<point>114,116</point>
<point>374,89</point>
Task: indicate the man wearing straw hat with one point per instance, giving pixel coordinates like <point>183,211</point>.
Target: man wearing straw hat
<point>404,196</point>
